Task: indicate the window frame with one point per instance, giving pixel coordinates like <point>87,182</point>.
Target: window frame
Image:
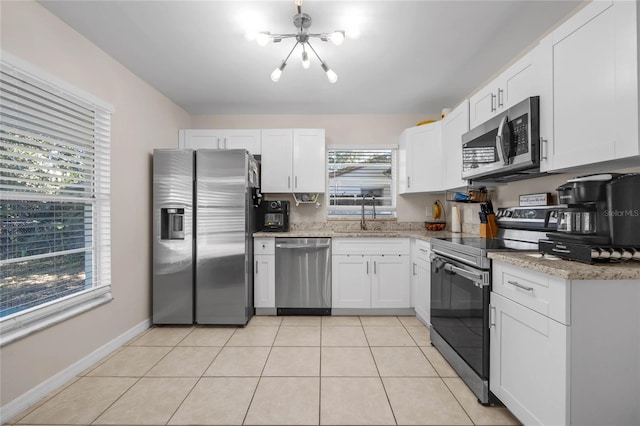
<point>394,179</point>
<point>28,321</point>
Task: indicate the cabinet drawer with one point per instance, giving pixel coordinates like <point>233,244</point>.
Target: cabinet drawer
<point>422,249</point>
<point>264,246</point>
<point>542,293</point>
<point>373,246</point>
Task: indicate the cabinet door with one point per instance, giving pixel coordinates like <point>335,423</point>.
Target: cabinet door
<point>518,82</point>
<point>200,138</point>
<point>351,286</point>
<point>592,77</point>
<point>423,158</point>
<point>404,166</point>
<point>482,105</point>
<point>277,160</point>
<point>264,290</point>
<point>528,363</point>
<point>454,126</point>
<point>309,160</point>
<point>391,284</point>
<point>242,139</point>
<point>422,277</point>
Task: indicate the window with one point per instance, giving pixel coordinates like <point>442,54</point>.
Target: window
<point>354,173</point>
<point>54,203</point>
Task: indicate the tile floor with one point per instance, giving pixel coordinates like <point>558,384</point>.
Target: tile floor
<point>276,371</point>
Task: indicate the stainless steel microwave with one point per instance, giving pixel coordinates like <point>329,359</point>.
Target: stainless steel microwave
<point>506,147</point>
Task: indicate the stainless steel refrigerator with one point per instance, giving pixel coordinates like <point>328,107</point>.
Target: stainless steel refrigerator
<point>204,215</point>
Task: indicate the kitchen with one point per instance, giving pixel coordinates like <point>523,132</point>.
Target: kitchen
<point>52,41</point>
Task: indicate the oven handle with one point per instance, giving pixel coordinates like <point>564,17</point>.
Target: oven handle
<point>444,256</point>
<point>475,277</point>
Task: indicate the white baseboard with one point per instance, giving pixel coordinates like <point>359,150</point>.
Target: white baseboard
<point>34,395</point>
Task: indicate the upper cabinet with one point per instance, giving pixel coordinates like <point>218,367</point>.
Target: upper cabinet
<point>454,125</point>
<point>248,139</point>
<point>518,82</point>
<point>293,160</point>
<point>420,159</point>
<point>589,103</point>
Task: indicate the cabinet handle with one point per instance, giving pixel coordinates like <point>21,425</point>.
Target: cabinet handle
<point>424,250</point>
<point>224,144</point>
<point>256,266</point>
<point>296,182</point>
<point>218,143</point>
<point>524,287</point>
<point>288,181</point>
<point>414,269</point>
<point>500,98</point>
<point>374,268</point>
<point>492,316</point>
<point>367,267</point>
<point>493,103</point>
<point>408,181</point>
<point>544,149</point>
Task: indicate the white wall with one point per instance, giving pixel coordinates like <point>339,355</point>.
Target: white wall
<point>143,119</point>
<point>351,129</point>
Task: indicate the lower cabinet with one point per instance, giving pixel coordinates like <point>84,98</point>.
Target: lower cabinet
<point>565,352</point>
<point>361,279</point>
<point>421,280</point>
<point>264,274</point>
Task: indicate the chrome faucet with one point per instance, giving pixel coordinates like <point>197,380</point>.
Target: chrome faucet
<point>363,224</point>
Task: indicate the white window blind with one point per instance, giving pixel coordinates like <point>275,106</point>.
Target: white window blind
<point>354,173</point>
<point>54,201</point>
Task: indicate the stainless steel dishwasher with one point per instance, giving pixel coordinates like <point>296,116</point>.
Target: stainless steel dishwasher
<point>303,276</point>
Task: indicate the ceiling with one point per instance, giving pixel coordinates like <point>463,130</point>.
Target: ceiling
<point>412,56</point>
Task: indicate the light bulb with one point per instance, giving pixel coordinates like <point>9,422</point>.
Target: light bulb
<point>275,75</point>
<point>263,39</point>
<point>337,37</point>
<point>250,35</point>
<point>305,60</point>
<point>353,33</point>
<point>332,76</point>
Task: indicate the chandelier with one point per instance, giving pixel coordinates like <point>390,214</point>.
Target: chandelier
<point>302,22</point>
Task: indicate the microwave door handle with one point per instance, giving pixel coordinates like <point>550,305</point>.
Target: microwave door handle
<point>503,141</point>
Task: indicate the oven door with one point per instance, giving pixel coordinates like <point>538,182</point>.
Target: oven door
<point>460,310</point>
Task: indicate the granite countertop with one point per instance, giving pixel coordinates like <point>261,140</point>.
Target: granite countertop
<point>327,233</point>
<point>570,270</point>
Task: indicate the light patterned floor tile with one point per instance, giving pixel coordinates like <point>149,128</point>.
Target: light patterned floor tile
<point>439,363</point>
<point>410,321</point>
<point>162,336</point>
<point>341,320</point>
<point>285,401</point>
<point>379,320</point>
<point>343,336</point>
<point>480,415</point>
<point>347,362</point>
<point>265,320</point>
<point>188,361</point>
<point>216,401</point>
<point>254,336</point>
<point>302,320</point>
<point>131,361</point>
<point>239,361</point>
<point>149,401</point>
<point>208,336</point>
<point>420,334</point>
<point>402,362</point>
<point>80,403</point>
<point>424,401</point>
<point>388,335</point>
<point>300,335</point>
<point>354,401</point>
<point>293,361</point>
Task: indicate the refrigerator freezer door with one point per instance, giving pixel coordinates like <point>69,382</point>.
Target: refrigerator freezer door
<point>223,284</point>
<point>173,236</point>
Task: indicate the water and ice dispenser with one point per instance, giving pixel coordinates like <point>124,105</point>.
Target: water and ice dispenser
<point>172,224</point>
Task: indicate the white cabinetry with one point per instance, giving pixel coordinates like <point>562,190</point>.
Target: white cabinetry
<point>589,102</point>
<point>420,159</point>
<point>454,126</point>
<point>518,82</point>
<point>553,360</point>
<point>421,280</point>
<point>248,139</point>
<point>293,160</point>
<point>264,277</point>
<point>370,273</point>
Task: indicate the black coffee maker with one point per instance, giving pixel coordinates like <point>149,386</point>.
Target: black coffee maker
<point>274,216</point>
<point>598,219</point>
